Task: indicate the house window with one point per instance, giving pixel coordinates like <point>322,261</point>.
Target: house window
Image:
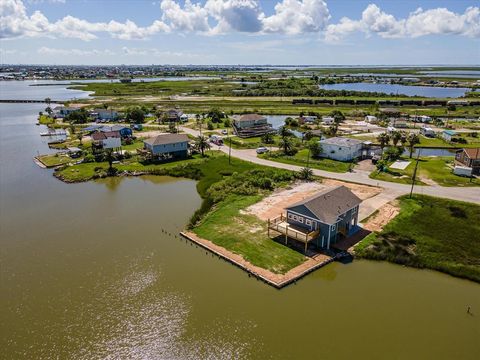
<point>290,216</point>
<point>354,210</point>
<point>333,227</point>
<point>300,219</point>
<point>308,222</point>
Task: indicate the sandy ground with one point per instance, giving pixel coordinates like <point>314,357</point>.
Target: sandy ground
<point>273,205</point>
<point>365,165</point>
<point>277,280</point>
<point>384,215</point>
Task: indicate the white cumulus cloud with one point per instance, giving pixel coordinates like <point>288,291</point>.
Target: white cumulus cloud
<point>439,21</point>
<point>297,17</point>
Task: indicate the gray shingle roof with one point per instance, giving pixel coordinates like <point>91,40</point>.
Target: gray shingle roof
<point>341,141</point>
<point>329,204</point>
<point>167,139</point>
<point>251,117</point>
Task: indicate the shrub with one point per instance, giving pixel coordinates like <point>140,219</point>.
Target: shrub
<point>89,158</point>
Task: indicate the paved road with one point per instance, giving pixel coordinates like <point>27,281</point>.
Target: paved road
<point>469,194</point>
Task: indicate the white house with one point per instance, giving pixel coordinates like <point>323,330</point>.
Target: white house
<point>107,140</point>
<point>328,120</point>
<point>398,122</point>
<point>341,148</point>
<point>427,131</point>
<point>371,119</point>
<point>104,114</point>
<point>421,118</point>
<point>448,134</point>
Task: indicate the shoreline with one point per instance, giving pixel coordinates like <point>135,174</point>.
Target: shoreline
<point>277,281</point>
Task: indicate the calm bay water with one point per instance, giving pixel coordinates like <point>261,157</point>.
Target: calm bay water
<point>424,91</point>
<point>94,271</point>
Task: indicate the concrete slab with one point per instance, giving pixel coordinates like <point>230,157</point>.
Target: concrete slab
<point>400,165</point>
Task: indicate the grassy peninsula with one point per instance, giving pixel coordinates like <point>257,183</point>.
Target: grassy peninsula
<point>432,233</point>
<point>226,189</point>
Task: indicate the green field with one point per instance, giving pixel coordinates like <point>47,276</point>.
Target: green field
<point>431,233</point>
<point>246,235</point>
<point>437,169</point>
<point>54,160</point>
<point>300,159</point>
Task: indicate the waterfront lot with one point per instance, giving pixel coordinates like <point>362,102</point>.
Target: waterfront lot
<point>430,233</point>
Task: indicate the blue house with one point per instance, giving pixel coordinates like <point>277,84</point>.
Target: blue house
<point>323,219</point>
<point>125,132</point>
<point>175,145</point>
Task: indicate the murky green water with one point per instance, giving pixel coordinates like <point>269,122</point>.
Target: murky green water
<point>94,271</point>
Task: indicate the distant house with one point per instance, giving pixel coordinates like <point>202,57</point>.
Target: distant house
<point>125,132</point>
<point>371,119</point>
<point>341,148</point>
<point>249,125</point>
<point>398,123</point>
<point>427,131</point>
<point>175,145</point>
<point>62,111</point>
<point>104,114</point>
<point>107,140</point>
<point>172,115</point>
<point>307,119</point>
<point>322,219</point>
<point>469,158</point>
<point>327,120</point>
<point>421,118</point>
<point>448,134</point>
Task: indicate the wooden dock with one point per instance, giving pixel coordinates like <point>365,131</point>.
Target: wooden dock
<point>278,281</point>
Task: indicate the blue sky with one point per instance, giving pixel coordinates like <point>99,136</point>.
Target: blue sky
<point>341,32</point>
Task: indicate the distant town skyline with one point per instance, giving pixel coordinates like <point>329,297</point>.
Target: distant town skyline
<point>231,32</point>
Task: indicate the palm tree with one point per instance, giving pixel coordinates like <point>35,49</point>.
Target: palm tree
<point>413,139</point>
<point>284,132</point>
<point>202,144</point>
<point>307,135</point>
<point>395,136</point>
<point>403,138</point>
<point>287,144</point>
<point>305,173</point>
<point>332,130</point>
<point>109,156</point>
<point>383,139</point>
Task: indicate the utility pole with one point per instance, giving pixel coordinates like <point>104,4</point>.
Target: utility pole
<point>229,147</point>
<point>414,173</point>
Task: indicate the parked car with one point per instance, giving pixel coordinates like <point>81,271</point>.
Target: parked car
<point>262,150</point>
<point>224,132</point>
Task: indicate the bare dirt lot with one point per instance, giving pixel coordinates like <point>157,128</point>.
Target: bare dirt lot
<point>382,217</point>
<point>273,205</point>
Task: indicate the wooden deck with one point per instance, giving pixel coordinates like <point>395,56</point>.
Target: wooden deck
<point>280,224</point>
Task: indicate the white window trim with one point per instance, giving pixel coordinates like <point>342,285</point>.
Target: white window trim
<point>334,226</point>
<point>308,222</point>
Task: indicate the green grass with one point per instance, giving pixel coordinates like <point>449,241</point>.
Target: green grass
<point>431,233</point>
<point>53,160</point>
<point>246,235</point>
<point>437,169</point>
<point>300,159</point>
<point>45,120</point>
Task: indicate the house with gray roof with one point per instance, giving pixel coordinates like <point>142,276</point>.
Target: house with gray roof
<point>329,214</point>
<point>341,148</point>
<point>175,145</point>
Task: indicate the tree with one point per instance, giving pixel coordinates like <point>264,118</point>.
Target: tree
<point>307,135</point>
<point>109,157</point>
<point>287,145</point>
<point>395,136</point>
<point>79,137</point>
<point>172,128</point>
<point>333,129</point>
<point>48,101</point>
<point>135,115</point>
<point>413,140</point>
<point>268,138</point>
<point>226,122</point>
<point>383,139</point>
<point>77,117</point>
<point>337,116</point>
<point>403,138</point>
<point>305,173</point>
<point>315,148</point>
<point>284,132</point>
<point>202,144</point>
<point>49,110</point>
<point>210,125</point>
